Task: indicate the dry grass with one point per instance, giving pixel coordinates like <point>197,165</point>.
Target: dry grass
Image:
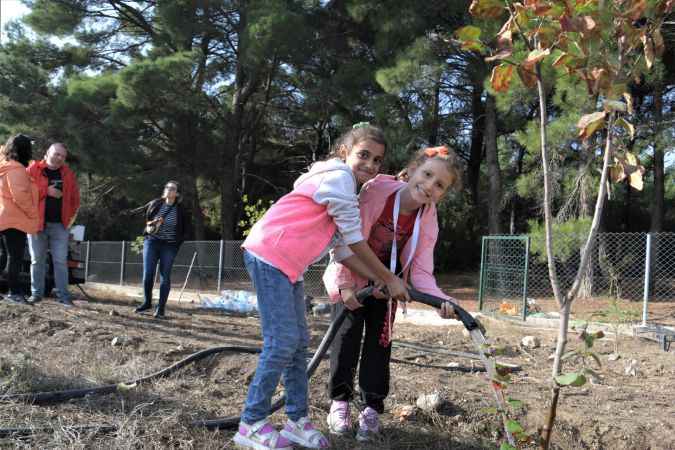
<point>47,348</point>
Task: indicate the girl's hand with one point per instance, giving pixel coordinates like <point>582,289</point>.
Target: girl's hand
<point>447,311</point>
<point>397,288</point>
<point>349,299</point>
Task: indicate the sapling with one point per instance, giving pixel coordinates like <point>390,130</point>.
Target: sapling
<point>616,316</point>
<point>602,45</point>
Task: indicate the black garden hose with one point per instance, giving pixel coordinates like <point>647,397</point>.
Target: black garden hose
<point>42,398</point>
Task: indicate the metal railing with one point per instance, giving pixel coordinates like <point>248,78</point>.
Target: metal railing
<point>217,265</point>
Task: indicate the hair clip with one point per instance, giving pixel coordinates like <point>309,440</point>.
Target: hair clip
<point>441,151</point>
<point>360,125</point>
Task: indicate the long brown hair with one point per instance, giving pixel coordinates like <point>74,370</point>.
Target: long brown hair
<point>362,131</point>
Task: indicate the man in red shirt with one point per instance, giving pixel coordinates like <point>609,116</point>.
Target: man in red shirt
<point>59,201</point>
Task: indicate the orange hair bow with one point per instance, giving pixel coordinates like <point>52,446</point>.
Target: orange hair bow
<point>441,151</point>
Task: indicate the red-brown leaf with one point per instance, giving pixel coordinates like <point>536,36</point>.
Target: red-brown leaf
<point>527,75</point>
<point>501,77</point>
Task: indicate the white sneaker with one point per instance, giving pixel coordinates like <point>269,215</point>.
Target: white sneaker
<point>304,433</point>
<point>339,419</point>
<point>369,425</point>
<point>260,436</point>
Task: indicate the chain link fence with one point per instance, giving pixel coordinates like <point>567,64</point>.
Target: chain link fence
<point>216,265</point>
<point>503,275</point>
<point>629,266</point>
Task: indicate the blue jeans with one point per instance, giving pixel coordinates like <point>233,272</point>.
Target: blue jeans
<point>285,339</point>
<point>165,252</point>
<point>55,238</point>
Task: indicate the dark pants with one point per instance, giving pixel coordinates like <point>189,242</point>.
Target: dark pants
<point>165,252</point>
<point>15,243</point>
<point>345,351</point>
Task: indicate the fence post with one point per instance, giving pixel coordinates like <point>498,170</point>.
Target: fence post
<point>648,267</point>
<point>220,265</point>
<point>527,264</point>
<point>86,262</point>
<point>123,261</point>
<point>480,280</point>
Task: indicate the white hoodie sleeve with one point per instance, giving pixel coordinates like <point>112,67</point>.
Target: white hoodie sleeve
<point>337,190</point>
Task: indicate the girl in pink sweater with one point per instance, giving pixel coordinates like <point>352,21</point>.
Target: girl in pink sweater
<point>400,224</point>
<point>300,228</point>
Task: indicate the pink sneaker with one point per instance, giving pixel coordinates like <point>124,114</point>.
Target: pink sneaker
<point>369,424</point>
<point>304,433</point>
<point>339,419</point>
<point>260,436</point>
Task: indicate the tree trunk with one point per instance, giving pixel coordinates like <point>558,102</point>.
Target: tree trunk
<point>494,172</point>
<point>476,153</point>
<point>434,120</point>
<point>228,186</point>
<point>515,198</point>
<point>659,183</point>
<point>198,227</point>
<point>232,152</point>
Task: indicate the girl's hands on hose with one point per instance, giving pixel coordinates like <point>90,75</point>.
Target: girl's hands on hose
<point>397,288</point>
<point>349,299</point>
<point>447,310</point>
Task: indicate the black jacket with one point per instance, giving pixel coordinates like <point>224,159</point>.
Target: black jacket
<point>182,218</point>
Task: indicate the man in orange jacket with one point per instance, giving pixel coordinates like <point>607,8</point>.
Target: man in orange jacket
<point>59,197</point>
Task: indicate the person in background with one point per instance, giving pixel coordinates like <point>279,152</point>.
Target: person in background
<point>165,231</point>
<point>18,208</point>
<point>59,203</point>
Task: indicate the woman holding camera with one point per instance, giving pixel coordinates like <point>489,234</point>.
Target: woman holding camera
<point>165,231</point>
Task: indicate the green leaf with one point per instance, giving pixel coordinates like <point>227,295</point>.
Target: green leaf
<point>515,403</point>
<point>487,9</point>
<point>571,379</point>
<point>514,427</point>
<point>589,339</point>
<point>506,446</point>
<point>468,33</point>
<point>491,410</point>
<point>476,46</point>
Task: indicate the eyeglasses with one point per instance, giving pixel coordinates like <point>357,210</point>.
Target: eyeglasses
<point>170,188</point>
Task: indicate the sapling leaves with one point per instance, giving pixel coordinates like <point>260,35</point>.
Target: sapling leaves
<point>575,379</point>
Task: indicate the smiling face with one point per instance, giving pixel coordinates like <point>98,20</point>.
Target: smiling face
<point>170,192</point>
<point>365,159</point>
<point>429,182</point>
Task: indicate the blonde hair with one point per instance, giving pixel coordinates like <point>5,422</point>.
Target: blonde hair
<point>442,153</point>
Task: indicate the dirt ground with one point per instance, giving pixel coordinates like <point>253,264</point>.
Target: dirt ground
<point>46,347</point>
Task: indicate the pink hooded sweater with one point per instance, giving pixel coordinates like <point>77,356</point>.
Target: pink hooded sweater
<point>420,271</point>
<point>300,228</point>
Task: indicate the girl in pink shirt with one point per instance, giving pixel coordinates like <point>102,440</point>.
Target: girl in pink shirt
<point>300,228</point>
<point>400,224</point>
